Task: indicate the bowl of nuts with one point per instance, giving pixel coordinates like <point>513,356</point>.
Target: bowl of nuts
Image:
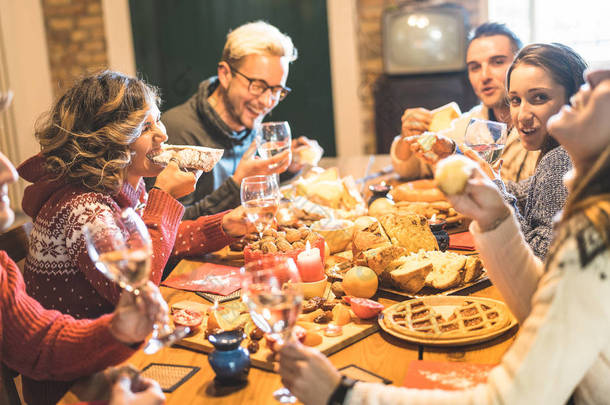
<point>288,242</point>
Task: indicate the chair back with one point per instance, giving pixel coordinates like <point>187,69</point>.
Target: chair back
<point>15,241</point>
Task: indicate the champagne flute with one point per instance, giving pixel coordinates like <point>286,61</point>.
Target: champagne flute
<point>121,248</point>
<point>487,138</point>
<point>260,197</point>
<point>271,289</point>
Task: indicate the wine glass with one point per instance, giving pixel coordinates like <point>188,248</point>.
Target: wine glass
<point>121,248</point>
<point>271,289</point>
<point>487,138</point>
<point>260,197</point>
<point>272,138</point>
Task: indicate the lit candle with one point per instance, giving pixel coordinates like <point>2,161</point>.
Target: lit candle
<point>309,263</point>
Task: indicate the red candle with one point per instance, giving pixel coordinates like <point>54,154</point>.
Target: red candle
<point>310,264</point>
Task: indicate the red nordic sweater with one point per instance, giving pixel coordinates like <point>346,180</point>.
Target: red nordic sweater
<point>45,344</point>
<point>58,271</point>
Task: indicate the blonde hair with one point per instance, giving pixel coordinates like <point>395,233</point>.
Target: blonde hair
<point>85,137</point>
<point>257,38</point>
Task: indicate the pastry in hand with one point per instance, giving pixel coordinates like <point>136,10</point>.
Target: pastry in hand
<point>188,157</point>
<point>452,174</point>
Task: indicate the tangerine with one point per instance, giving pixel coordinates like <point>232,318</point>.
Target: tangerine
<point>360,281</point>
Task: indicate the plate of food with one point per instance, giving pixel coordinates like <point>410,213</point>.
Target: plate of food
<point>447,320</point>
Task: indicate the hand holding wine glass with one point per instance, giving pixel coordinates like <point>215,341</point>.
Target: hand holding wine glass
<point>487,138</point>
<point>271,289</point>
<point>260,197</point>
<point>120,247</point>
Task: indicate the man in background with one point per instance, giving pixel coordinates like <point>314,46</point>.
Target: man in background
<point>491,50</point>
<point>227,108</point>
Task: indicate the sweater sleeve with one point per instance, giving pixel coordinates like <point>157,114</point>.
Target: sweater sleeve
<point>44,344</point>
<point>162,217</point>
<point>203,235</point>
<point>224,198</point>
<point>559,345</point>
<point>510,263</point>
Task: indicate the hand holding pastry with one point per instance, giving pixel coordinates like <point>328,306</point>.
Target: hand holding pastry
<point>471,192</point>
<point>175,181</point>
<point>431,147</point>
<point>415,121</point>
<point>304,151</point>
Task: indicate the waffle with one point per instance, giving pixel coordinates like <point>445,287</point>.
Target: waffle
<point>473,317</point>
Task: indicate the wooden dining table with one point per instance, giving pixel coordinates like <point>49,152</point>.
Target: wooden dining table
<point>380,353</point>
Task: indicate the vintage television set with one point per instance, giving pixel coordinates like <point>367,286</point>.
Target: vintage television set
<point>424,39</point>
<point>424,63</point>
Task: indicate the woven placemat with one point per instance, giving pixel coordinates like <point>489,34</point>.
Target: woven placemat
<point>217,297</point>
<point>169,376</point>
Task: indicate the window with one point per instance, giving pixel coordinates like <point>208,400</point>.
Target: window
<point>582,24</point>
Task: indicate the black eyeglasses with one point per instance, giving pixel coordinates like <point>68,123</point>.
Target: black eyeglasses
<point>257,87</point>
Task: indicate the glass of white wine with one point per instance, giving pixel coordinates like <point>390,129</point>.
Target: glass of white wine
<point>260,197</point>
<point>271,289</point>
<point>487,138</point>
<point>121,249</point>
<point>273,138</point>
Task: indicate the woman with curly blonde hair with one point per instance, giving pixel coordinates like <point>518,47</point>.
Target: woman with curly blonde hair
<point>95,144</point>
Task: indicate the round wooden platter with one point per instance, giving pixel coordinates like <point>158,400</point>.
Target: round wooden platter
<point>451,301</point>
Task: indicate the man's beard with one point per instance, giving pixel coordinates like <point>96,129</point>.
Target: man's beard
<point>228,106</point>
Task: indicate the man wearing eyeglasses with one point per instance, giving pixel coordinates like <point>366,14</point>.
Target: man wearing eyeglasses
<point>250,82</point>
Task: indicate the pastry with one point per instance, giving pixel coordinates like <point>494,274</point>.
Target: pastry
<point>474,317</point>
<point>452,174</point>
<point>448,269</point>
<point>188,157</point>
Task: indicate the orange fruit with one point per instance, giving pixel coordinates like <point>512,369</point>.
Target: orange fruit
<point>360,281</point>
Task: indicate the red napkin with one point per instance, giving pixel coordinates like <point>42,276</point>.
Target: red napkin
<point>461,241</point>
<point>451,376</point>
<point>209,277</point>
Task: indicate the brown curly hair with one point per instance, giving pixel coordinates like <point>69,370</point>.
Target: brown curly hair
<point>85,137</point>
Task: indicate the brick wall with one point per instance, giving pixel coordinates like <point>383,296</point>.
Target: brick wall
<point>369,53</point>
<point>75,39</point>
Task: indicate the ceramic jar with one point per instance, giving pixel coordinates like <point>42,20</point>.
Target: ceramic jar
<point>229,360</point>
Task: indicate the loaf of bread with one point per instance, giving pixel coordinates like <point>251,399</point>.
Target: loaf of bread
<point>188,157</point>
<point>417,191</point>
<point>410,277</point>
<point>410,231</point>
<point>448,269</point>
<point>380,258</point>
<point>368,234</point>
<point>472,269</point>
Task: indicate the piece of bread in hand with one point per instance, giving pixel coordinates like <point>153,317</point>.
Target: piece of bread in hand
<point>188,157</point>
<point>452,174</point>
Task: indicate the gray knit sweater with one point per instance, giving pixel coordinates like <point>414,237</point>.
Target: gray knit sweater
<point>539,198</point>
